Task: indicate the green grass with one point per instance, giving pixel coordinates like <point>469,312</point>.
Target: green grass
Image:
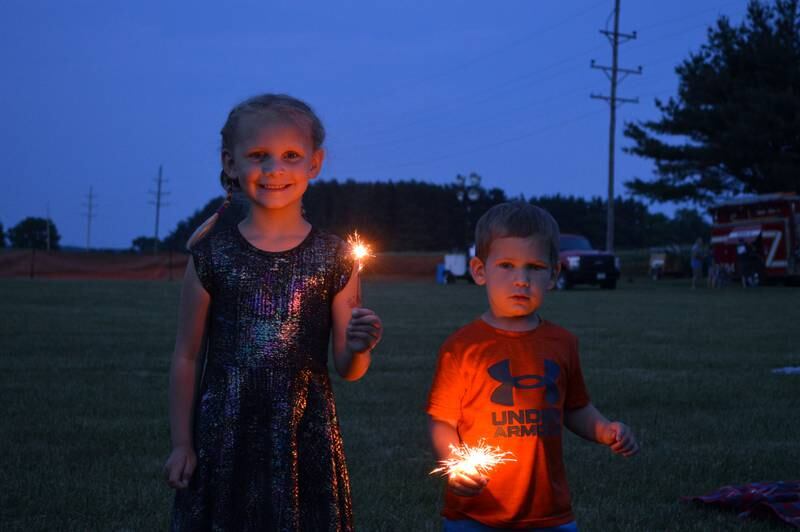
<point>83,378</point>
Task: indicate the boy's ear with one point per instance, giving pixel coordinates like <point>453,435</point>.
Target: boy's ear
<point>554,277</point>
<point>316,163</point>
<point>478,271</point>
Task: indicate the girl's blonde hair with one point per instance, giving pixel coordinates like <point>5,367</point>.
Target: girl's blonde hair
<point>277,107</point>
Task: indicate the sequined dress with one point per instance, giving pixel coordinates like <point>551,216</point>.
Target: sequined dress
<point>269,449</point>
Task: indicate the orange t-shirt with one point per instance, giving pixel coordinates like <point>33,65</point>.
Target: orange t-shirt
<point>511,389</point>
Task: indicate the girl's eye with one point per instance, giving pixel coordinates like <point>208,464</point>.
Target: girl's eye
<point>292,155</point>
<point>506,265</point>
<point>537,267</point>
<point>257,155</point>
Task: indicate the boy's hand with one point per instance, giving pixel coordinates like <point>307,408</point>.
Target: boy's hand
<point>179,467</point>
<point>466,483</point>
<point>619,437</point>
<point>364,330</point>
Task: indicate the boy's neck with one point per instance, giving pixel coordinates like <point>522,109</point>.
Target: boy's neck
<point>525,323</point>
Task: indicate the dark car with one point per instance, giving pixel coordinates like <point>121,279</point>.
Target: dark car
<point>580,264</point>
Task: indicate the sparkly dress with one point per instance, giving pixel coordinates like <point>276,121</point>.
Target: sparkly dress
<point>269,450</point>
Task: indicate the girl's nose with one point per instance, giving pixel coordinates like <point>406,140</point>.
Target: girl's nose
<point>522,280</point>
<point>270,166</point>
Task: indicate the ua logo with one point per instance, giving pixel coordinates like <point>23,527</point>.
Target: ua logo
<point>504,394</point>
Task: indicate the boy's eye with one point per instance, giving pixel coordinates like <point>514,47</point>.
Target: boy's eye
<point>537,267</point>
<point>505,265</point>
<point>257,155</point>
<point>291,155</point>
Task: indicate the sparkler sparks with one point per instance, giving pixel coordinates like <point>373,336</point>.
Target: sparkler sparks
<point>361,251</point>
<point>482,458</point>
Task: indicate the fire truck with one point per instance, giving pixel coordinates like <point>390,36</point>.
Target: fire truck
<point>759,235</point>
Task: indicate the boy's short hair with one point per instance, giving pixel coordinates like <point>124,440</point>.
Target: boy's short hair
<point>516,219</point>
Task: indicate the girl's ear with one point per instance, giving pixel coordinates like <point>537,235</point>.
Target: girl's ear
<point>227,164</point>
<point>316,163</point>
<point>478,271</point>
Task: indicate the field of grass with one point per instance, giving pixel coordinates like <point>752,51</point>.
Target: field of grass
<point>83,384</point>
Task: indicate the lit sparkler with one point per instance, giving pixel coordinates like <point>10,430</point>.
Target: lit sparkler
<point>361,251</point>
<point>481,458</point>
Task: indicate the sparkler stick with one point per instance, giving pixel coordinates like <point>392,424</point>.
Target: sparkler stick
<point>481,458</point>
<point>361,251</point>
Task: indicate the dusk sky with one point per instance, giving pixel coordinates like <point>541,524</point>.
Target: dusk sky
<point>100,93</point>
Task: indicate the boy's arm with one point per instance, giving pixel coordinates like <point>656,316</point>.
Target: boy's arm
<point>443,434</point>
<point>588,423</point>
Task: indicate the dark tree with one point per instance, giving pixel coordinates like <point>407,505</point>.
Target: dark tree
<point>2,237</point>
<point>32,233</point>
<point>737,114</point>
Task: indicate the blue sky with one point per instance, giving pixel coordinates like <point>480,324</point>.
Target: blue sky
<point>100,93</point>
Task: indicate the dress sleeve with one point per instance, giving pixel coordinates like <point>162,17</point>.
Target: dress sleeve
<point>343,266</point>
<point>447,391</point>
<point>577,395</point>
<point>201,256</point>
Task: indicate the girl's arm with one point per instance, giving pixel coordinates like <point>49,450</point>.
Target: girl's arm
<point>184,368</point>
<point>356,331</point>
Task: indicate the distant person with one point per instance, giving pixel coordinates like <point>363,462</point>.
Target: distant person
<point>514,379</point>
<point>743,262</point>
<point>697,256</point>
<point>256,443</point>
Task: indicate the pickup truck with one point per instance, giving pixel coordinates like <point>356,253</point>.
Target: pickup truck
<point>580,264</point>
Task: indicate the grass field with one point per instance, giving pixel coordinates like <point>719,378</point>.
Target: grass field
<point>83,383</point>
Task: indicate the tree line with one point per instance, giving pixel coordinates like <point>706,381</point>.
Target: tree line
<point>418,216</point>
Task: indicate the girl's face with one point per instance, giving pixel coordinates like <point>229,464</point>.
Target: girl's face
<point>273,161</point>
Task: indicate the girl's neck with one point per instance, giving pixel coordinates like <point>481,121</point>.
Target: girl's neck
<point>275,229</point>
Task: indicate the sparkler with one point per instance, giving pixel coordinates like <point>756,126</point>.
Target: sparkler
<point>361,251</point>
<point>481,458</point>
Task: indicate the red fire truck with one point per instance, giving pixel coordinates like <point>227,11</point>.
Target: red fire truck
<point>759,234</point>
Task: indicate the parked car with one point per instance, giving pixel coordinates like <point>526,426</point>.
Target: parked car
<point>581,264</point>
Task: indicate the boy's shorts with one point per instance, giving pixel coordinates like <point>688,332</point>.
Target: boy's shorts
<point>468,525</point>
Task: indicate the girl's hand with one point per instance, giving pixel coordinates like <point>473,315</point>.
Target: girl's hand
<point>179,467</point>
<point>620,438</point>
<point>466,483</point>
<point>364,330</point>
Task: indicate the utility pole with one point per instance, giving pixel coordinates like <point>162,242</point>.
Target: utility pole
<point>612,72</point>
<point>158,203</point>
<point>90,214</point>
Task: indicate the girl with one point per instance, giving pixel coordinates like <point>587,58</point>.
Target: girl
<point>256,444</point>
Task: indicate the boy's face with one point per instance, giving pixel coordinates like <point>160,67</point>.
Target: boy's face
<point>517,273</point>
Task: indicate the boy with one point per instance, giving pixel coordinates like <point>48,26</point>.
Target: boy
<point>513,379</point>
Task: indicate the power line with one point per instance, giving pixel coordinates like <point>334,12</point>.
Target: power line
<point>442,73</point>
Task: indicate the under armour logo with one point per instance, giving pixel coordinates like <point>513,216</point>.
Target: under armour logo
<point>504,394</point>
